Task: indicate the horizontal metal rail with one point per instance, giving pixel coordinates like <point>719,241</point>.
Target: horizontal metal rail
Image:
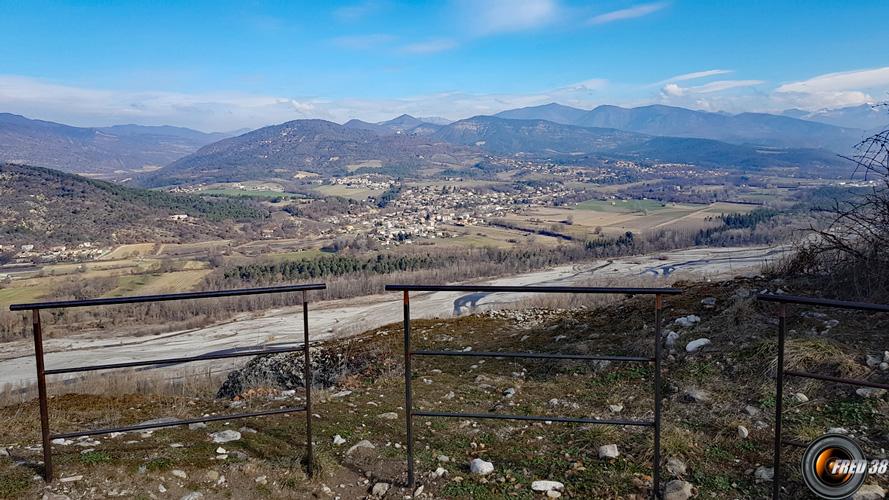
<point>175,423</point>
<point>42,372</point>
<point>532,289</point>
<point>166,361</point>
<point>784,300</point>
<point>531,355</point>
<point>828,378</point>
<point>410,412</point>
<point>815,301</point>
<point>64,304</point>
<point>536,418</point>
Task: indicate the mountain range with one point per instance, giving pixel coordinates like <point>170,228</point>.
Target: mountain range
<point>102,151</point>
<point>759,129</point>
<point>323,147</point>
<point>320,146</point>
<point>406,145</point>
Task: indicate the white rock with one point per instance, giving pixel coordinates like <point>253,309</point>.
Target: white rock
<point>61,442</point>
<point>194,495</point>
<point>70,479</point>
<point>553,494</point>
<point>873,361</point>
<point>225,436</point>
<point>696,345</point>
<point>884,366</point>
<point>870,392</point>
<point>616,408</point>
<point>675,466</point>
<point>801,398</point>
<point>509,392</point>
<point>364,443</point>
<point>764,473</point>
<point>390,415</point>
<point>261,480</point>
<point>672,337</point>
<point>161,488</point>
<point>221,450</point>
<point>678,490</point>
<point>837,430</point>
<point>743,432</point>
<point>379,489</point>
<point>196,426</point>
<point>179,473</point>
<point>869,492</point>
<point>697,395</point>
<point>338,440</point>
<point>687,321</point>
<point>441,471</point>
<point>4,452</point>
<point>544,485</point>
<point>481,467</point>
<point>444,458</point>
<point>608,451</point>
<point>751,410</point>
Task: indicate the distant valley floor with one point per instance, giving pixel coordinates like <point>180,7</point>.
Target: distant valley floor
<point>340,318</point>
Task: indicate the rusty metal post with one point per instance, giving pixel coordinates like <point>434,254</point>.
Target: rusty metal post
<point>779,402</point>
<point>656,462</point>
<point>307,378</point>
<point>408,394</point>
<point>41,391</point>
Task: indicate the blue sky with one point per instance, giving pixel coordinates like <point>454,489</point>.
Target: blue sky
<point>224,65</point>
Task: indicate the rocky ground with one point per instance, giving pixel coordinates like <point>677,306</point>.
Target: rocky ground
<point>718,411</point>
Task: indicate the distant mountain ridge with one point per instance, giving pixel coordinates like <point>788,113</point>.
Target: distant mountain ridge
<point>541,137</point>
<point>400,125</point>
<point>99,151</point>
<point>863,116</point>
<point>745,128</point>
<point>311,145</point>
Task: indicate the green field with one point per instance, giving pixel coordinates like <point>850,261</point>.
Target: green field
<point>246,193</point>
<point>621,206</point>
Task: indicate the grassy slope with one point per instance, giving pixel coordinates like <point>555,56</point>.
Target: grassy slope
<point>704,435</point>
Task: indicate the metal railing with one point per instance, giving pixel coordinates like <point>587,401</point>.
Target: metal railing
<point>656,359</point>
<point>42,372</point>
<point>783,301</point>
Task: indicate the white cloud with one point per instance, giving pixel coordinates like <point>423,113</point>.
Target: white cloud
<point>695,75</point>
<point>675,90</point>
<point>846,80</point>
<point>586,85</point>
<point>487,17</point>
<point>833,90</point>
<point>217,111</point>
<point>628,13</point>
<point>429,46</point>
<point>221,111</point>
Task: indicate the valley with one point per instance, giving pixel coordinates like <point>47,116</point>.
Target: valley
<point>342,318</point>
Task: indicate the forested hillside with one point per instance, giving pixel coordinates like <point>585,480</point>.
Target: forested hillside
<point>39,206</point>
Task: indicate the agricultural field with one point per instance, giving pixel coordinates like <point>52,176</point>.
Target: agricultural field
<point>364,164</point>
<point>638,216</point>
<point>357,193</point>
<point>484,236</point>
